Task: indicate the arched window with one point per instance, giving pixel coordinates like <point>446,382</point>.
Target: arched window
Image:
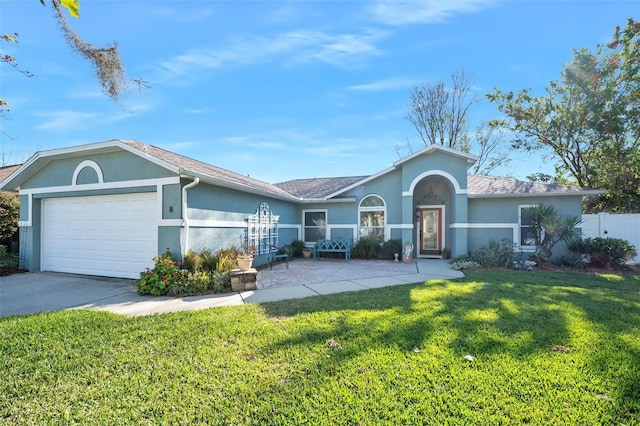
<point>372,212</point>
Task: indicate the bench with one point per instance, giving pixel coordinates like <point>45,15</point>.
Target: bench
<point>275,256</point>
<point>333,246</point>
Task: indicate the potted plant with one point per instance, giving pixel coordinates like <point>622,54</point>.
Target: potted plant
<point>307,252</point>
<point>244,261</point>
<point>245,257</point>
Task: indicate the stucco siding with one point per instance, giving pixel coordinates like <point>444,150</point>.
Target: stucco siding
<point>209,202</point>
<point>435,161</point>
<point>482,237</point>
<point>115,167</point>
<point>172,201</point>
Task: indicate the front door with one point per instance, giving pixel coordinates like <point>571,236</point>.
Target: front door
<point>430,232</point>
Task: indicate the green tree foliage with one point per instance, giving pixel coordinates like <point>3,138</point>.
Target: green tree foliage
<point>9,215</point>
<point>588,123</point>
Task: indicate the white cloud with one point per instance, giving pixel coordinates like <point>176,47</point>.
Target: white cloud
<point>182,17</point>
<point>65,120</point>
<point>384,85</point>
<point>393,12</point>
<point>294,47</point>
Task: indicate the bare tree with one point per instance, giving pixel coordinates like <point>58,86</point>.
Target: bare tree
<point>491,142</point>
<point>439,113</point>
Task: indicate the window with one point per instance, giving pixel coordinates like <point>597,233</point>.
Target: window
<point>315,225</point>
<point>527,229</point>
<point>372,213</point>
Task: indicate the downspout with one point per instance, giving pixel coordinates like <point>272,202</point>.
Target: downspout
<point>185,216</point>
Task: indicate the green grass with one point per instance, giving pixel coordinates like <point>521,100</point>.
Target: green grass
<point>386,356</point>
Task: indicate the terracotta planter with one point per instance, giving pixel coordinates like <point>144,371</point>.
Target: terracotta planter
<point>244,264</point>
<point>307,254</point>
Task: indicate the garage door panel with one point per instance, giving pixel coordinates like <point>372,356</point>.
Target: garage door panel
<point>114,235</point>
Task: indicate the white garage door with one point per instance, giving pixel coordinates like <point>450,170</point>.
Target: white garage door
<point>107,235</point>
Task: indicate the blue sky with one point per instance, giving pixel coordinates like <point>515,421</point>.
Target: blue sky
<point>281,90</point>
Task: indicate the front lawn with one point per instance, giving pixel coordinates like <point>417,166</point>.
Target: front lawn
<point>541,348</point>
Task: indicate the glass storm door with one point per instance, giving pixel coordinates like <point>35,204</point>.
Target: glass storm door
<point>430,231</point>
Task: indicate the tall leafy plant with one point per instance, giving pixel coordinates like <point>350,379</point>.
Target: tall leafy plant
<point>551,227</point>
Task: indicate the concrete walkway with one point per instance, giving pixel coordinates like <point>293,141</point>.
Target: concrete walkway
<point>41,292</point>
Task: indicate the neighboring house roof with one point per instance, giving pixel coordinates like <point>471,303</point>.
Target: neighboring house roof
<point>318,187</point>
<point>6,171</point>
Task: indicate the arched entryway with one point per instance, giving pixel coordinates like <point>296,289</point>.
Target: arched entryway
<point>433,202</point>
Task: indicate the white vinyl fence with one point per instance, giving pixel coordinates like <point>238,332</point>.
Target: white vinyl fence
<point>606,225</point>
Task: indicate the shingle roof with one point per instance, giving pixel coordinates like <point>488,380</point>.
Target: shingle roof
<point>488,186</point>
<point>5,171</point>
<point>317,187</point>
<point>478,186</point>
<point>191,166</point>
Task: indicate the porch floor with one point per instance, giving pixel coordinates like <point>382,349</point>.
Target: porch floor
<point>309,271</point>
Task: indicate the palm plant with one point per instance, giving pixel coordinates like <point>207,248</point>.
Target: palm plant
<point>552,227</point>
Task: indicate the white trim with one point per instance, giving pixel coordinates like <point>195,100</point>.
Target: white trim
<point>185,217</point>
<point>428,173</point>
<point>581,193</point>
<point>382,208</point>
<point>92,165</point>
<point>519,234</point>
<point>97,186</point>
<point>400,226</point>
<point>435,147</point>
<point>326,221</point>
<point>442,222</point>
<point>28,222</point>
<point>360,182</point>
<point>213,223</point>
<point>78,191</point>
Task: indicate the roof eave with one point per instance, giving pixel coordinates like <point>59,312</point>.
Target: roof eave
<point>327,200</point>
<point>361,182</point>
<point>41,158</point>
<point>581,193</point>
<point>471,159</point>
<point>238,186</point>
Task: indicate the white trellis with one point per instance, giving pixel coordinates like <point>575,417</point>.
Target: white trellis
<point>262,230</point>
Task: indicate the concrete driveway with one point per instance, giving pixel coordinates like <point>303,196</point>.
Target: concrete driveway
<point>30,293</point>
<point>48,291</point>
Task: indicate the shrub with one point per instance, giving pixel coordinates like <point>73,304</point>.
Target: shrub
<point>366,248</point>
<point>389,248</point>
<point>463,262</point>
<point>573,260</point>
<point>495,254</point>
<point>209,261</point>
<point>297,247</point>
<point>156,281</point>
<point>446,253</point>
<point>201,273</point>
<point>605,251</point>
<point>8,262</point>
<point>220,280</point>
<point>191,261</point>
<point>9,214</point>
<point>226,259</point>
<point>619,250</point>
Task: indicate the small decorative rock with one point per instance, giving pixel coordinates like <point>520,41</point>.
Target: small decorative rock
<point>469,358</point>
